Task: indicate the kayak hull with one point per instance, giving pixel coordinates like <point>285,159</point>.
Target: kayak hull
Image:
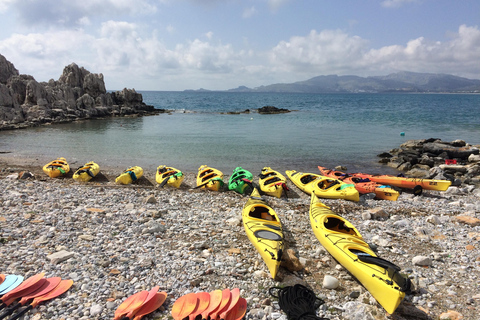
<point>87,172</point>
<point>129,175</point>
<point>175,177</point>
<point>323,187</point>
<point>381,191</point>
<point>272,182</point>
<point>264,230</point>
<point>407,183</point>
<point>237,182</point>
<point>343,241</point>
<point>211,178</point>
<point>56,168</point>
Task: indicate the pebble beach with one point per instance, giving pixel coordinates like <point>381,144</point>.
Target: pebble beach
<point>114,240</point>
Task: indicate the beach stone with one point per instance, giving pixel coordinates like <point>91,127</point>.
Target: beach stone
<point>235,221</point>
<point>378,213</point>
<point>95,310</point>
<point>422,261</point>
<point>471,221</point>
<point>354,310</point>
<point>433,219</point>
<point>290,261</point>
<point>86,237</point>
<point>451,315</point>
<point>60,256</point>
<point>330,282</point>
<point>150,199</point>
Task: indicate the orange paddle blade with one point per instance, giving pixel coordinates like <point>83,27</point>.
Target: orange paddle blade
<point>134,304</point>
<point>124,305</point>
<point>238,312</point>
<point>202,305</point>
<point>184,305</point>
<point>215,300</point>
<point>233,301</point>
<point>25,284</point>
<point>2,278</point>
<point>152,305</point>
<point>133,308</point>
<point>226,296</point>
<point>48,285</point>
<point>61,288</point>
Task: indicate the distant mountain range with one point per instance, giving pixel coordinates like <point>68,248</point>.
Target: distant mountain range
<point>401,82</point>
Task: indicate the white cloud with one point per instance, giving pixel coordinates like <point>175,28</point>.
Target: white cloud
<point>324,52</point>
<point>396,3</point>
<point>45,55</point>
<point>458,56</point>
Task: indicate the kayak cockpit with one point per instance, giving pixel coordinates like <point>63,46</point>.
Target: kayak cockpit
<point>338,225</point>
<point>261,212</point>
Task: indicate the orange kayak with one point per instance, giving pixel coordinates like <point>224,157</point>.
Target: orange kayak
<point>409,183</point>
<point>363,185</point>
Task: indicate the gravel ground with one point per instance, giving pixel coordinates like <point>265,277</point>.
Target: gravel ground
<point>123,239</point>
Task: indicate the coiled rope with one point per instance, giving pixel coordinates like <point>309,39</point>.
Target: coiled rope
<point>298,302</point>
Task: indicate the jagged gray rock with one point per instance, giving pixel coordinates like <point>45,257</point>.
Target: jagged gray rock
<point>78,94</point>
<point>427,158</point>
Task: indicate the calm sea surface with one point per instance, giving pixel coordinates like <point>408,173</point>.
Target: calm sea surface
<point>324,129</point>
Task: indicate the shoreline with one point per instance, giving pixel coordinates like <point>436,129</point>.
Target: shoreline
<point>127,238</point>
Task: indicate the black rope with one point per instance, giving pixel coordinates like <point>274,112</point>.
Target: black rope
<point>298,302</point>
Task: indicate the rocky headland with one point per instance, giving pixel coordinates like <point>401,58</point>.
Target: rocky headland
<point>77,94</point>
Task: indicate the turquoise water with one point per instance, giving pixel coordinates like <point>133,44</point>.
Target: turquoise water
<point>324,129</point>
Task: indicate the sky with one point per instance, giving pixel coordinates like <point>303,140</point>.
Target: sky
<point>172,45</point>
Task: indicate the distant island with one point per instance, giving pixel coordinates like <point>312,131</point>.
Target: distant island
<point>400,82</point>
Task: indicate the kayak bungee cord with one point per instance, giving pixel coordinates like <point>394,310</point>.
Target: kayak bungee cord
<point>298,302</point>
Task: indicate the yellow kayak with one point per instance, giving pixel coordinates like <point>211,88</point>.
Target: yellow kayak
<point>56,168</point>
<point>87,172</point>
<point>323,187</point>
<point>343,241</point>
<point>209,178</point>
<point>264,230</point>
<point>169,175</point>
<point>130,175</point>
<point>272,182</point>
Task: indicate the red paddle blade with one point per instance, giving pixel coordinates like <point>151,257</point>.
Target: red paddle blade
<point>48,285</point>
<point>135,304</point>
<point>226,296</point>
<point>202,305</point>
<point>25,284</point>
<point>215,300</point>
<point>233,301</point>
<point>238,312</point>
<point>184,305</point>
<point>26,291</point>
<point>152,305</point>
<point>61,288</point>
<point>2,278</point>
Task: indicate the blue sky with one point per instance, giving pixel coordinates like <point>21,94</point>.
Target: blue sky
<point>223,44</point>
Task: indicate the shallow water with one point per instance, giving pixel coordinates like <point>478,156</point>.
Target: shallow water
<point>325,129</point>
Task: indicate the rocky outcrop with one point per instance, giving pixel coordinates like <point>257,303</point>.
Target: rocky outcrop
<point>77,94</point>
<point>431,158</point>
<point>272,110</point>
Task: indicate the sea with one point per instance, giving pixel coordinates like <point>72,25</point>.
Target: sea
<point>321,129</point>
